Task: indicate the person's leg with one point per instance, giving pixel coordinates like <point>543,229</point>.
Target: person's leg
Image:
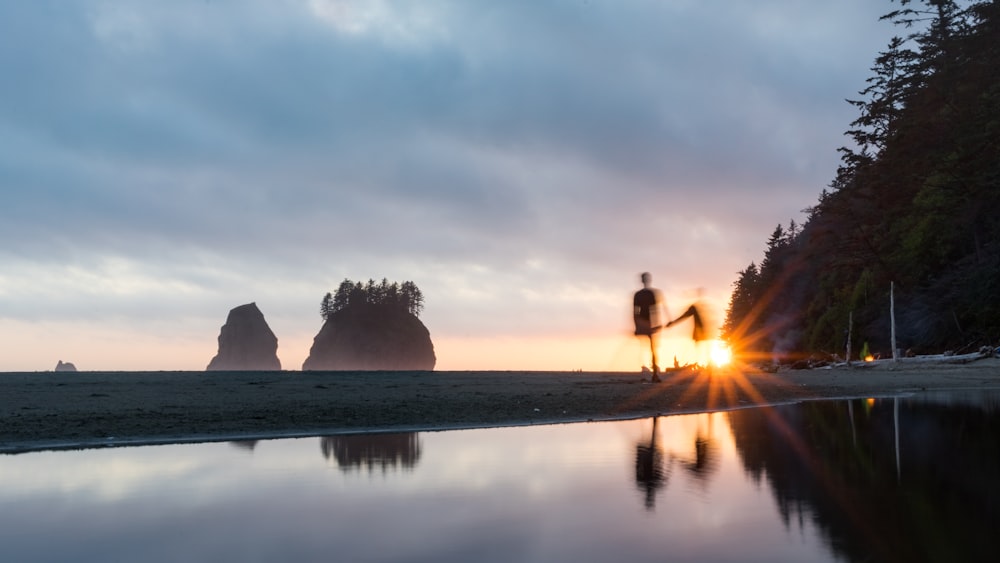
<point>652,353</point>
<point>704,350</point>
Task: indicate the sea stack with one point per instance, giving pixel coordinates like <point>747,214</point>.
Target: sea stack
<point>246,342</point>
<point>65,366</point>
<point>371,336</point>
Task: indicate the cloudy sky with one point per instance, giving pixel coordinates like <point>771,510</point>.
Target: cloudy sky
<point>521,161</point>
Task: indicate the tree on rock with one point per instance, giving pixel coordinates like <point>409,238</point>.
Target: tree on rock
<point>405,296</point>
<point>372,326</point>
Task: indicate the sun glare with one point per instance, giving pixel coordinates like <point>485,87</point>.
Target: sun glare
<point>720,353</point>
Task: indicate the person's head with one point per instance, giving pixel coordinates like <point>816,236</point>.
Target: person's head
<point>646,279</point>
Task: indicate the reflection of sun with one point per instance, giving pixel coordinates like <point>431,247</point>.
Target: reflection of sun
<point>720,353</point>
<point>720,389</point>
<point>710,388</point>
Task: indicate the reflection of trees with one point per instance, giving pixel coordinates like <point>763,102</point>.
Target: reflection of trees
<point>384,451</point>
<point>934,497</point>
<point>650,473</point>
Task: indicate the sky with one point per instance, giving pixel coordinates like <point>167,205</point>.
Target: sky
<point>521,161</point>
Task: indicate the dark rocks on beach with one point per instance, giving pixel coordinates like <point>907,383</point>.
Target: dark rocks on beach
<point>65,366</point>
<point>814,361</point>
<point>371,337</point>
<point>246,342</point>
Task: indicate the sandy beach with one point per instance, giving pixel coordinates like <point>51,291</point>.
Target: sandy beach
<point>46,410</point>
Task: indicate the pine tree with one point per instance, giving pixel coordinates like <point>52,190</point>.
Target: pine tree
<point>343,296</point>
<point>741,303</point>
<point>413,300</point>
<point>326,306</point>
<point>406,297</point>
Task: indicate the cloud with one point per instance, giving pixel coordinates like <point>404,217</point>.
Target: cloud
<point>192,150</point>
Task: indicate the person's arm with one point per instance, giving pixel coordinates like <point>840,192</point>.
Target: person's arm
<point>661,312</point>
<point>690,312</point>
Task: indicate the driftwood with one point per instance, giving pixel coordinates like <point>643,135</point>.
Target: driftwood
<point>946,358</point>
<point>833,361</point>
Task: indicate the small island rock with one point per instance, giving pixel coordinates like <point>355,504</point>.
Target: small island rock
<point>369,336</point>
<point>65,366</point>
<point>246,342</point>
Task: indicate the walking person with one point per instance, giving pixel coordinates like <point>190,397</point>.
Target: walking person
<point>648,311</point>
<point>699,332</point>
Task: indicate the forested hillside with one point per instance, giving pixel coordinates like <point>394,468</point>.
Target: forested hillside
<point>915,205</point>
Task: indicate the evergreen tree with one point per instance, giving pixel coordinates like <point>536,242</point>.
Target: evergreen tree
<point>326,306</point>
<point>343,296</point>
<point>412,299</point>
<point>884,98</point>
<point>741,303</point>
<point>406,297</point>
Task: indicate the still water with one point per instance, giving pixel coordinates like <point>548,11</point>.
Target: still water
<point>898,479</point>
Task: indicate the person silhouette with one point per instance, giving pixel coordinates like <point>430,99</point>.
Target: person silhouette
<point>699,331</point>
<point>648,314</point>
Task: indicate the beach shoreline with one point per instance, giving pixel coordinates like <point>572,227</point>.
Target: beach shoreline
<point>59,410</point>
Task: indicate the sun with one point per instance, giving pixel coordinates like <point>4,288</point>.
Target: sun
<point>720,353</point>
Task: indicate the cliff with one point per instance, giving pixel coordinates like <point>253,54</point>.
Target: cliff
<point>246,342</point>
<point>371,337</point>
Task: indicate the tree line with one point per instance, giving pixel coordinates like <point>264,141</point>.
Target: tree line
<point>405,296</point>
<point>914,205</point>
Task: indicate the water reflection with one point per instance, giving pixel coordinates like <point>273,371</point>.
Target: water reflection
<point>651,472</point>
<point>372,451</point>
<point>704,460</point>
<point>699,457</point>
<point>908,479</point>
<point>883,479</point>
<point>248,445</point>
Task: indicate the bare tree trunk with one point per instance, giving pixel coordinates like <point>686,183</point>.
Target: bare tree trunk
<point>892,319</point>
<point>850,330</point>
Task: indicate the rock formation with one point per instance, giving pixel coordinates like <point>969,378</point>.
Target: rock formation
<point>371,337</point>
<point>65,366</point>
<point>246,342</point>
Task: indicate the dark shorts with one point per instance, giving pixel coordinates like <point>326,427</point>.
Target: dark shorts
<point>644,328</point>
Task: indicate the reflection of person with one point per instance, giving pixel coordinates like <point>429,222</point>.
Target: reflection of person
<point>647,313</point>
<point>650,474</point>
<point>706,457</point>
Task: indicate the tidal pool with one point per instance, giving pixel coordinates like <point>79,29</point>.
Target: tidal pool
<point>898,479</point>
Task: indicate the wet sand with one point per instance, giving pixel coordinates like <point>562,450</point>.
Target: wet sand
<point>46,410</point>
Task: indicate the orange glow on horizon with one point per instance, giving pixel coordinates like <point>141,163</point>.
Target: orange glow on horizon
<point>118,348</point>
<point>596,353</point>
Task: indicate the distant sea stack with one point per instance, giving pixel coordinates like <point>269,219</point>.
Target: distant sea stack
<point>372,327</point>
<point>65,366</point>
<point>246,342</point>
